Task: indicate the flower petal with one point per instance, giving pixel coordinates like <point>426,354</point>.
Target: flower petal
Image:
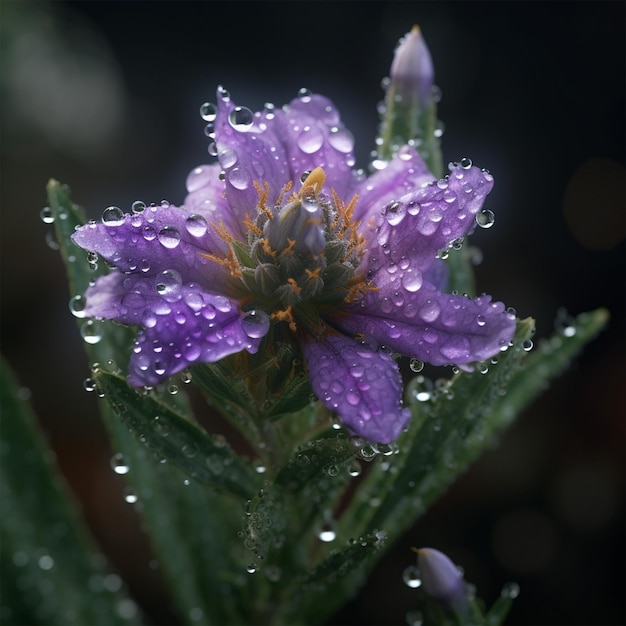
<point>313,136</point>
<point>206,197</point>
<point>361,384</point>
<point>181,325</point>
<point>439,329</point>
<point>414,227</point>
<point>158,239</point>
<point>249,151</point>
<point>407,172</point>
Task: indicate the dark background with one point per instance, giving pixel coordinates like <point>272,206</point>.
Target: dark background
<point>104,96</point>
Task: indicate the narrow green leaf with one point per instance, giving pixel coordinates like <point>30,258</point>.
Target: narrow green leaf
<point>325,588</point>
<point>51,572</point>
<point>181,442</point>
<point>317,460</point>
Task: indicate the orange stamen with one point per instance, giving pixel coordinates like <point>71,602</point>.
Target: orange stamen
<point>285,316</point>
<point>289,248</point>
<point>294,285</point>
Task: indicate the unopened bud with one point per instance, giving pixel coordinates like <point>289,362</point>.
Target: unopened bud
<point>441,578</point>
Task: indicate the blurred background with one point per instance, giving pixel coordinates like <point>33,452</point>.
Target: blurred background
<point>104,96</point>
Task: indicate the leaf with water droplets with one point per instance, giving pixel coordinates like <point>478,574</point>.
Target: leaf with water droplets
<point>326,587</point>
<point>178,440</point>
<point>316,461</point>
<point>51,571</point>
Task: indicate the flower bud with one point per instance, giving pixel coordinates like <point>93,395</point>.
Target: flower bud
<point>441,579</point>
<point>412,71</point>
<point>409,114</point>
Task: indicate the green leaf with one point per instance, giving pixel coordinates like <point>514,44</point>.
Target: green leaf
<point>316,461</point>
<point>51,572</point>
<point>326,587</point>
<point>177,440</point>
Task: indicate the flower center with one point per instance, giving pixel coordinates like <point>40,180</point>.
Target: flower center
<point>301,256</point>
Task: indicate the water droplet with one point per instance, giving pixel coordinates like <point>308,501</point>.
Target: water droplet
<point>91,332</point>
<point>118,464</point>
<point>46,215</point>
<point>412,280</point>
<point>196,225</point>
<point>412,577</point>
<point>527,345</point>
<point>510,590</point>
<point>304,94</point>
<point>416,365</point>
<point>341,139</point>
<point>89,384</point>
<point>113,216</point>
<point>138,206</point>
<point>241,118</point>
<point>208,112</point>
<point>327,531</point>
<point>311,139</point>
<point>485,218</point>
<point>190,450</point>
<point>51,242</point>
<point>169,285</point>
<point>355,468</point>
<point>45,562</point>
<point>196,614</point>
<point>169,237</point>
<point>255,324</point>
<point>77,306</point>
<point>466,163</point>
<point>252,568</point>
<point>239,178</point>
<point>130,496</point>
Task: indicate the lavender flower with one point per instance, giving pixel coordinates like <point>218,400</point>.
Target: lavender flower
<point>412,71</point>
<point>441,578</point>
<point>284,236</point>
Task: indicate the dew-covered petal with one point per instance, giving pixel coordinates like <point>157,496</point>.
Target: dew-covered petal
<point>363,385</point>
<point>413,228</point>
<point>437,275</point>
<point>206,198</point>
<point>158,239</point>
<point>405,173</point>
<point>440,329</point>
<point>314,136</point>
<point>249,151</point>
<point>199,327</point>
<point>180,323</point>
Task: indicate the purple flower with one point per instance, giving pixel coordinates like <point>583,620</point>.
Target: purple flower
<point>283,235</point>
<point>441,578</point>
<point>412,71</point>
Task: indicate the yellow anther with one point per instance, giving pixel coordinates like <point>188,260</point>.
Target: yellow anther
<point>314,181</point>
<point>222,232</point>
<point>313,273</point>
<point>230,262</point>
<point>294,285</point>
<point>283,191</point>
<point>267,248</point>
<point>289,248</point>
<point>264,193</point>
<point>285,316</point>
<point>358,290</point>
<point>251,226</point>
